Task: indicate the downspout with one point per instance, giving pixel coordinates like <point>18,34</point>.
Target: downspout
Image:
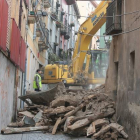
<point>20,14</point>
<point>24,90</point>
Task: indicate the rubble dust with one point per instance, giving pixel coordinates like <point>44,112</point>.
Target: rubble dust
<point>89,113</point>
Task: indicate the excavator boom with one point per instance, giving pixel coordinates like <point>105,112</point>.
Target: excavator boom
<point>87,30</point>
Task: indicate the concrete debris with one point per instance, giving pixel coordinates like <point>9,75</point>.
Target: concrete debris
<point>28,121</point>
<point>27,113</point>
<point>65,100</point>
<point>88,113</point>
<point>24,129</point>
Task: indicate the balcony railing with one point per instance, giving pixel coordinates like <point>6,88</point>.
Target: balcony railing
<point>66,36</point>
<point>54,14</point>
<point>47,3</point>
<point>113,22</point>
<point>31,17</point>
<point>58,24</point>
<point>47,37</point>
<point>43,42</point>
<point>38,32</point>
<point>63,30</point>
<point>72,24</point>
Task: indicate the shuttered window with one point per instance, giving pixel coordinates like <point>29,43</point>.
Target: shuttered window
<point>15,43</point>
<point>3,24</point>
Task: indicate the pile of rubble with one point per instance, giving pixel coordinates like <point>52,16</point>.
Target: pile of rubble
<point>79,113</point>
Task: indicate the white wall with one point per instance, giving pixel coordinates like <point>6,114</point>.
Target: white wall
<point>7,78</point>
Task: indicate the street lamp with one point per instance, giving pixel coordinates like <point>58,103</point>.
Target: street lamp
<point>107,41</point>
<point>106,38</point>
<point>98,43</point>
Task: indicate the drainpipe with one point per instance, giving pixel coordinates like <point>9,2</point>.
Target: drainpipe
<point>20,14</point>
<point>124,15</point>
<point>24,85</point>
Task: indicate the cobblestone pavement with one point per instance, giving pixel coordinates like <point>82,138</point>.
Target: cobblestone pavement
<point>39,136</point>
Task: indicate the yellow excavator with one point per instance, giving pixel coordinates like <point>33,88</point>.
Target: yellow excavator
<point>82,70</point>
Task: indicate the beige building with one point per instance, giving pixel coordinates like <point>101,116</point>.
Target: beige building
<point>23,45</point>
<point>37,39</point>
<point>12,58</point>
<point>85,8</point>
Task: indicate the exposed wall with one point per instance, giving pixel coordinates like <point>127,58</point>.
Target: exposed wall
<point>7,78</point>
<point>123,81</point>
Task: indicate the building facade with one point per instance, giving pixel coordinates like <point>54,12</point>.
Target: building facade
<point>37,36</point>
<point>23,45</point>
<point>123,77</point>
<point>62,25</point>
<point>12,58</point>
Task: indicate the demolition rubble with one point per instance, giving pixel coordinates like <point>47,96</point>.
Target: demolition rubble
<point>89,113</point>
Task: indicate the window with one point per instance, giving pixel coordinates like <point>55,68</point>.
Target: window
<point>132,71</point>
<point>116,80</point>
<point>57,8</point>
<point>50,35</point>
<point>34,33</point>
<point>56,39</point>
<point>88,5</point>
<point>61,44</point>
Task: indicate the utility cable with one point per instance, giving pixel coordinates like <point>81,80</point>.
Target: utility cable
<point>129,13</point>
<point>100,35</point>
<point>106,35</point>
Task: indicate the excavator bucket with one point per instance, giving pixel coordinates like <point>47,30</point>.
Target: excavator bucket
<point>40,98</point>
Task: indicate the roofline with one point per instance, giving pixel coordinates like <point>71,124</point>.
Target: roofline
<point>94,3</point>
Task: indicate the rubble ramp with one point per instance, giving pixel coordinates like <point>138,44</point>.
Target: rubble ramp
<point>40,98</point>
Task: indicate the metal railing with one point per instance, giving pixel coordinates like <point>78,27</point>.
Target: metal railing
<point>113,22</point>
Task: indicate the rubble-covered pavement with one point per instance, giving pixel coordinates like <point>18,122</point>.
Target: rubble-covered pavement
<point>40,136</point>
<point>87,113</point>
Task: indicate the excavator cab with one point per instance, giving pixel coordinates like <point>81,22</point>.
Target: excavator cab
<point>99,63</point>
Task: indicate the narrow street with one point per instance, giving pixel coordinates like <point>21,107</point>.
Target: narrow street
<point>39,136</point>
<point>69,69</point>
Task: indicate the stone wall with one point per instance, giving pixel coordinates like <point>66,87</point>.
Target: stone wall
<point>123,77</point>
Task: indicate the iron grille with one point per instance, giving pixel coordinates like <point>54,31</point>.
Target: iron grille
<point>113,22</point>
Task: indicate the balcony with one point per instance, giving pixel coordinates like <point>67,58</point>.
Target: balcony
<point>60,53</point>
<point>54,15</point>
<point>44,14</point>
<point>43,44</point>
<point>58,24</point>
<point>38,32</point>
<point>43,25</point>
<point>47,37</point>
<point>66,36</point>
<point>57,4</point>
<point>47,3</point>
<point>56,44</point>
<point>72,24</point>
<point>76,33</point>
<point>113,25</point>
<point>63,31</point>
<point>31,17</point>
<point>70,2</point>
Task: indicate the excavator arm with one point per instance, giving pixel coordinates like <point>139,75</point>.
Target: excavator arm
<point>86,31</point>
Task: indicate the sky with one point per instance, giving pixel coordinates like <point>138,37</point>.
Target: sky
<point>98,1</point>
